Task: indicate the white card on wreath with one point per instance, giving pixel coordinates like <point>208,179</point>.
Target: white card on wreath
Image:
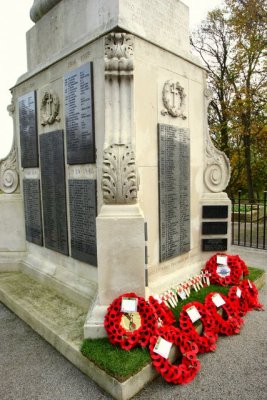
<point>129,304</point>
<point>218,300</point>
<point>222,260</point>
<point>238,292</point>
<point>162,347</point>
<point>193,314</point>
<point>249,284</point>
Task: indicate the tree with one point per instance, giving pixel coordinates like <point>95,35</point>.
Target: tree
<point>232,44</point>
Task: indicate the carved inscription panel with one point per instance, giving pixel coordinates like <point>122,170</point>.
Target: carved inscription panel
<point>28,130</point>
<point>174,191</point>
<point>79,112</point>
<point>32,210</point>
<point>82,198</point>
<point>53,191</point>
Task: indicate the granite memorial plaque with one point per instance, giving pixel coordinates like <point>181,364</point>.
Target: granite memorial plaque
<point>79,110</point>
<point>28,130</point>
<point>215,212</point>
<point>32,211</point>
<point>174,190</point>
<point>53,191</point>
<point>214,244</point>
<point>214,228</point>
<point>82,198</point>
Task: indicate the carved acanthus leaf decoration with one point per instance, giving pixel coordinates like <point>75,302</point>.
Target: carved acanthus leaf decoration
<point>9,178</point>
<point>119,52</point>
<point>217,171</point>
<point>119,181</point>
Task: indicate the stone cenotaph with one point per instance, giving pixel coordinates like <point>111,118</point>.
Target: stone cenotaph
<point>113,184</point>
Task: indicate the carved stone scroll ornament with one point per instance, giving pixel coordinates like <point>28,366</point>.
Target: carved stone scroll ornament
<point>119,52</point>
<point>173,97</point>
<point>49,108</point>
<point>217,171</point>
<point>9,177</point>
<point>119,180</point>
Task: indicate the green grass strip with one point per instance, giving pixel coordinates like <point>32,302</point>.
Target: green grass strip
<point>115,361</point>
<point>121,364</point>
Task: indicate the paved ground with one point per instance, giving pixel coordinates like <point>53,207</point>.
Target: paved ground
<point>30,369</point>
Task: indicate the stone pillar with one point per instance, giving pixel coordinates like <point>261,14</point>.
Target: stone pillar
<point>120,223</point>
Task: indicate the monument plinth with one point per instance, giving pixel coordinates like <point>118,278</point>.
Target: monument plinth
<point>118,174</point>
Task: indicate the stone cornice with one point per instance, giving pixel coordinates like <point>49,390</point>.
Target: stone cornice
<point>41,7</point>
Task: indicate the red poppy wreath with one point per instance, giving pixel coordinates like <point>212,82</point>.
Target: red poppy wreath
<point>164,314</point>
<point>238,300</point>
<point>229,322</point>
<point>251,295</point>
<point>192,312</point>
<point>189,366</point>
<point>229,272</point>
<point>133,326</point>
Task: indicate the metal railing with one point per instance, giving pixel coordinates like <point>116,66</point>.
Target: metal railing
<point>249,222</point>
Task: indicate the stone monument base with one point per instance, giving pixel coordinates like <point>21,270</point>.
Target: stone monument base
<point>121,239</point>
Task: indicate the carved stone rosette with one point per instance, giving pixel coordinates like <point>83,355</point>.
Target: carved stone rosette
<point>217,171</point>
<point>119,180</point>
<point>49,108</point>
<point>173,97</point>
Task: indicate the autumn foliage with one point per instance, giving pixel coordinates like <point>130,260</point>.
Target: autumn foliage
<point>232,43</point>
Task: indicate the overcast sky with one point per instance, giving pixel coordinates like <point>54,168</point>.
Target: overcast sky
<point>14,23</point>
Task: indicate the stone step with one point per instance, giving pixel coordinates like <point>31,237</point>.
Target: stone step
<point>60,322</point>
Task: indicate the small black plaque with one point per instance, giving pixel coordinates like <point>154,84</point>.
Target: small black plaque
<point>32,209</point>
<point>53,191</point>
<point>214,228</point>
<point>174,191</point>
<point>215,212</point>
<point>28,130</point>
<point>79,111</point>
<point>82,197</point>
<point>214,244</point>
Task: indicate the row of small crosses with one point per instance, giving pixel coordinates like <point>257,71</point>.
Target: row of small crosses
<point>172,296</point>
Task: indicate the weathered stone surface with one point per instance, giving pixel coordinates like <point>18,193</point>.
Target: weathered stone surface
<point>66,30</point>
